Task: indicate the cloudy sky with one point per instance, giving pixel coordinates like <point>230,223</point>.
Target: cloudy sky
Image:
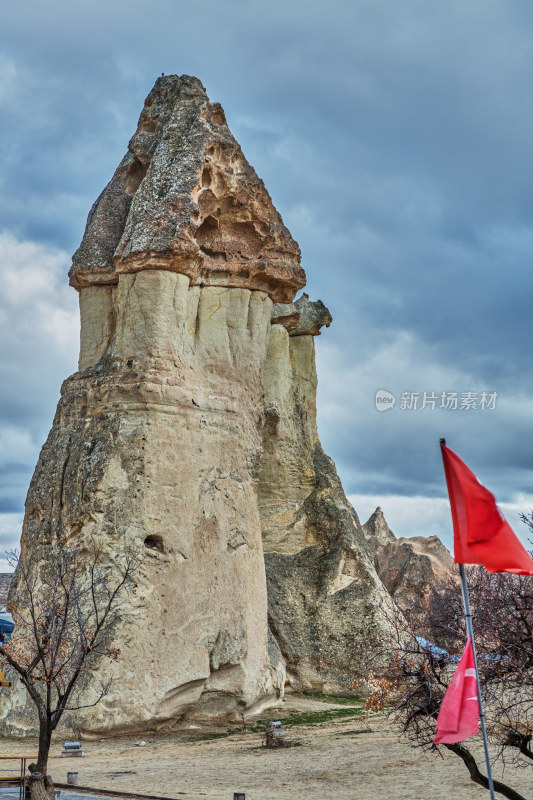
<point>395,140</point>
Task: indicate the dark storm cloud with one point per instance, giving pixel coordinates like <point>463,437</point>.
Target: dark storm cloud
<point>394,139</point>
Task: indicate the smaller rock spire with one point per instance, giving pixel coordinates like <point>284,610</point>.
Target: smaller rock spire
<point>303,317</point>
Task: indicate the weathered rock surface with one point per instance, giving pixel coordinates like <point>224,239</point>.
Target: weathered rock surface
<point>157,446</point>
<point>323,589</point>
<point>5,581</point>
<point>409,567</point>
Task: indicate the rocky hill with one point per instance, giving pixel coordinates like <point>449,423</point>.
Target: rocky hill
<point>408,567</point>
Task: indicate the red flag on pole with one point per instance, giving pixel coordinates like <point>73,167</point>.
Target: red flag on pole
<point>459,711</point>
<point>480,533</point>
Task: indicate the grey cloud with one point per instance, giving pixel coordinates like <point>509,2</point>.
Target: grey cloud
<point>397,452</point>
<point>394,139</point>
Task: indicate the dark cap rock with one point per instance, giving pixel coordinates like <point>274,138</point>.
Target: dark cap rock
<point>184,198</point>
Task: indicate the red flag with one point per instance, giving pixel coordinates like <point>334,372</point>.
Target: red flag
<point>480,533</point>
<point>459,711</point>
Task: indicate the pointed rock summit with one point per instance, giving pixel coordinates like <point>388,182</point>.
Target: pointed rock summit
<point>377,531</point>
<point>184,198</point>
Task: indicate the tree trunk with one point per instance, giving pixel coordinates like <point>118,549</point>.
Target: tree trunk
<point>41,787</point>
<point>470,762</point>
<point>45,739</point>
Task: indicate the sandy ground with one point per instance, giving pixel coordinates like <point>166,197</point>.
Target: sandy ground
<point>347,760</point>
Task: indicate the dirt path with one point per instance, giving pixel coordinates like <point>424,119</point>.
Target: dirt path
<point>340,759</point>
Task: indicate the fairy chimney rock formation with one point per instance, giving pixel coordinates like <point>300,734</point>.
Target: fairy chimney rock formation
<point>157,439</point>
<point>189,435</point>
<point>377,531</point>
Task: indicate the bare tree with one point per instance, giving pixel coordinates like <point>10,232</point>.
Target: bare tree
<point>421,656</point>
<point>66,606</point>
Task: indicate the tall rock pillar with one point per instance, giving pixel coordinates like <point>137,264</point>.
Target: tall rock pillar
<point>156,441</point>
<point>323,589</point>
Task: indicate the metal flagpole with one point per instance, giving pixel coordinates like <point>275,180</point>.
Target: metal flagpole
<point>470,632</point>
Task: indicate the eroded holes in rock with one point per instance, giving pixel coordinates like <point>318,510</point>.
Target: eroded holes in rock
<point>207,202</point>
<point>261,227</point>
<point>154,542</point>
<point>207,229</point>
<point>208,238</point>
<point>134,175</point>
<point>228,238</point>
<point>220,184</point>
<point>272,418</point>
<point>244,240</point>
<point>228,205</point>
<point>206,176</point>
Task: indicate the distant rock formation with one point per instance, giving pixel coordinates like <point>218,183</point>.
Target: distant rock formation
<point>5,581</point>
<point>189,434</point>
<point>408,567</point>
